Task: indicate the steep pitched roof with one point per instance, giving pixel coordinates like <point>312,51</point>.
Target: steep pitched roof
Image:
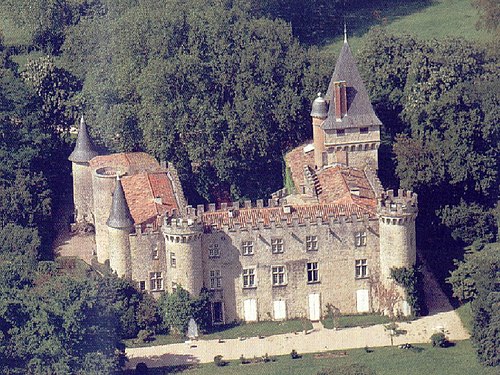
<point>359,108</point>
<point>119,216</point>
<point>84,148</point>
<point>149,196</point>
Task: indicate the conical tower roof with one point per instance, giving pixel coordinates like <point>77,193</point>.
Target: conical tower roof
<point>120,216</point>
<point>84,148</point>
<point>359,108</point>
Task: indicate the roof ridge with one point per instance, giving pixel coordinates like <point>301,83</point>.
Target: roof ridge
<point>152,194</point>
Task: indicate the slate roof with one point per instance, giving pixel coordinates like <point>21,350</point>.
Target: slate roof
<point>119,216</point>
<point>359,108</point>
<point>84,148</point>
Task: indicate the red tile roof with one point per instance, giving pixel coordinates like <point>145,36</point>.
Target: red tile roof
<point>149,196</point>
<point>248,217</point>
<point>127,162</point>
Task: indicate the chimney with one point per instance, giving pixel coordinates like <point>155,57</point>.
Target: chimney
<point>340,93</point>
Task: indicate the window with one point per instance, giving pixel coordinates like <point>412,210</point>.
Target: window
<point>360,239</point>
<point>249,278</point>
<point>361,268</point>
<point>142,286</point>
<point>312,272</point>
<point>173,260</point>
<point>277,245</point>
<point>340,132</point>
<point>279,275</point>
<point>363,130</point>
<point>311,243</point>
<point>156,281</point>
<point>155,253</point>
<point>247,247</point>
<point>215,279</point>
<point>213,250</point>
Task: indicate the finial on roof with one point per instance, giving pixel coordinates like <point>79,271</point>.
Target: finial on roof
<point>84,148</point>
<point>319,94</point>
<point>345,32</point>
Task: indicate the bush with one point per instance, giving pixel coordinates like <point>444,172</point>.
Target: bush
<point>219,362</point>
<point>141,368</point>
<point>439,339</point>
<point>294,354</point>
<point>145,335</point>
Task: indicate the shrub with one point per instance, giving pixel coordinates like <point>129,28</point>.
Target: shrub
<point>294,354</point>
<point>141,368</point>
<point>439,339</point>
<point>145,335</point>
<point>219,362</point>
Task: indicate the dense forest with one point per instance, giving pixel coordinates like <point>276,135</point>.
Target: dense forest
<point>223,89</point>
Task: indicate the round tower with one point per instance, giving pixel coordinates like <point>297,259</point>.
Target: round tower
<point>319,112</point>
<point>83,152</point>
<point>120,224</point>
<point>184,254</point>
<point>397,216</point>
<point>103,185</point>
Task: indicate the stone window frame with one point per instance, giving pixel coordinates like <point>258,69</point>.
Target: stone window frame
<point>279,276</point>
<point>364,130</point>
<point>156,281</point>
<point>215,279</point>
<point>173,260</point>
<point>249,277</point>
<point>142,285</point>
<point>277,245</point>
<point>340,132</point>
<point>312,243</point>
<point>213,250</point>
<point>247,247</point>
<point>312,269</point>
<point>155,253</point>
<point>361,268</point>
<point>360,238</point>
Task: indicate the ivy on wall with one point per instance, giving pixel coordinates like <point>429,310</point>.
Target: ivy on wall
<point>411,280</point>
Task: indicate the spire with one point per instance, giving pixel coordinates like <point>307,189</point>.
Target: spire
<point>345,32</point>
<point>84,149</point>
<point>119,216</point>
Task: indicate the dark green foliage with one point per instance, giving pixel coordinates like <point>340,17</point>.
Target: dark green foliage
<point>148,314</point>
<point>411,280</point>
<point>201,310</point>
<point>209,87</point>
<point>176,310</point>
<point>439,339</point>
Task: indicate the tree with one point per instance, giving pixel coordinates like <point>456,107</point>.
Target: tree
<point>219,93</point>
<point>489,11</point>
<point>176,310</point>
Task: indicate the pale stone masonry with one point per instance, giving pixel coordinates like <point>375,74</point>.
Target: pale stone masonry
<point>333,239</point>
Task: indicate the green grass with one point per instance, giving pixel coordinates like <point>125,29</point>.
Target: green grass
<point>357,321</point>
<point>421,19</point>
<point>457,360</point>
<point>465,314</point>
<point>231,332</point>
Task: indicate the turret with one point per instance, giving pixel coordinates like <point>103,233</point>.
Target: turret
<point>184,254</point>
<point>319,113</point>
<point>120,224</point>
<point>83,152</point>
<point>397,214</point>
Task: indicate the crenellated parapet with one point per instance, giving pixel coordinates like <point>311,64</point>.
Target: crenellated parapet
<point>182,230</point>
<point>397,209</point>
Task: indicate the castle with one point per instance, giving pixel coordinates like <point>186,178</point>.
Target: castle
<point>330,239</point>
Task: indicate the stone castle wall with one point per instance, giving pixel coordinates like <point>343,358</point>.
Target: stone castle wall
<point>82,192</point>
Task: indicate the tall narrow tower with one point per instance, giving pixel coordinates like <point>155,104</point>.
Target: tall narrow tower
<point>319,112</point>
<point>398,248</point>
<point>83,152</point>
<point>120,224</point>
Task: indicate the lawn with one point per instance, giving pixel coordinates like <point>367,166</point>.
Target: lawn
<point>419,18</point>
<point>231,332</point>
<point>424,359</point>
<point>346,321</point>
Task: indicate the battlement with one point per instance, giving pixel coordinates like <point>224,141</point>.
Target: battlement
<point>173,225</point>
<point>402,204</point>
